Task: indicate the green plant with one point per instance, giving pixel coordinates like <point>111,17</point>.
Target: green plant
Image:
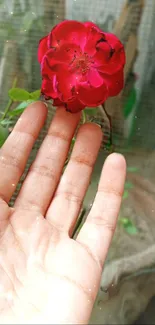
<point>129,226</point>
<point>127,223</point>
<point>16,95</point>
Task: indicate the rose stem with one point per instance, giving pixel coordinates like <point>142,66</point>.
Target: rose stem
<point>9,102</point>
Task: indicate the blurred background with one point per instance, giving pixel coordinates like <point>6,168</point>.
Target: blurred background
<point>127,291</point>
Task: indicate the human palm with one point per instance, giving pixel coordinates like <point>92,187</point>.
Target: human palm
<point>46,276</point>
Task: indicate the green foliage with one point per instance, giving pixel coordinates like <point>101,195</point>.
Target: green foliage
<point>91,111</point>
<point>72,143</point>
<point>132,169</point>
<point>6,122</point>
<point>129,226</point>
<point>125,195</point>
<point>20,108</point>
<point>35,95</point>
<point>3,134</point>
<point>128,186</point>
<point>129,105</point>
<point>16,95</point>
<point>19,94</point>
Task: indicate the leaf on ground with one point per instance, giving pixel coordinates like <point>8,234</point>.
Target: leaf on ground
<point>129,226</point>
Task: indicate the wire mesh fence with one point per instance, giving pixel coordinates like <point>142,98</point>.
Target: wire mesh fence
<point>24,22</point>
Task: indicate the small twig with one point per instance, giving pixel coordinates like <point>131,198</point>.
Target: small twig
<point>110,124</point>
<point>10,102</point>
<point>104,112</point>
<point>83,117</point>
<point>141,272</point>
<point>6,109</point>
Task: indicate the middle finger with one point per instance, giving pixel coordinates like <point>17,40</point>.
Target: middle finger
<point>45,172</point>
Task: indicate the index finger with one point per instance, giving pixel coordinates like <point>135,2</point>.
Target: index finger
<point>15,151</point>
<point>97,231</point>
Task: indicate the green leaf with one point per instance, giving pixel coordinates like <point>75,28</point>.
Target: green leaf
<point>91,111</point>
<point>131,230</point>
<point>35,94</point>
<point>20,108</point>
<point>19,94</point>
<point>73,141</point>
<point>129,105</point>
<point>132,169</point>
<point>72,144</point>
<point>6,122</point>
<point>128,186</point>
<point>129,226</point>
<point>3,134</point>
<point>125,195</point>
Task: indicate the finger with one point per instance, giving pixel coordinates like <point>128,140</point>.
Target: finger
<point>16,149</point>
<point>46,170</point>
<point>72,188</point>
<point>97,231</point>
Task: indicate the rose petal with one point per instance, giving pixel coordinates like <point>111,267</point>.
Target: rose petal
<point>70,30</point>
<point>66,53</point>
<point>66,84</point>
<point>72,106</point>
<point>95,78</point>
<point>91,96</point>
<point>52,41</point>
<point>67,78</point>
<point>47,70</point>
<point>113,41</point>
<point>114,83</point>
<point>115,57</point>
<point>42,49</point>
<point>53,59</point>
<point>89,25</point>
<point>94,35</point>
<point>57,102</point>
<point>102,54</point>
<point>48,88</point>
<point>75,105</point>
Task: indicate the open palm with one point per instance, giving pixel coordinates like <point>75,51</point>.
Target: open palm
<point>46,276</point>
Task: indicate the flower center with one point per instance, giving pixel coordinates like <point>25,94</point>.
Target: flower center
<point>81,63</point>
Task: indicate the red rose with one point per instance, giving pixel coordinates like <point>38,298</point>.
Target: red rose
<point>80,65</point>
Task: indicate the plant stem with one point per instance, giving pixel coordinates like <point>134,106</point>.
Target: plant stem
<point>79,221</point>
<point>9,102</point>
<point>110,124</point>
<point>6,109</point>
<point>83,117</point>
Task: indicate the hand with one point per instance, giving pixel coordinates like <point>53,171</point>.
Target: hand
<point>46,276</point>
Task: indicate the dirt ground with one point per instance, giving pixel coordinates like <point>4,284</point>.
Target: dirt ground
<point>148,316</point>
